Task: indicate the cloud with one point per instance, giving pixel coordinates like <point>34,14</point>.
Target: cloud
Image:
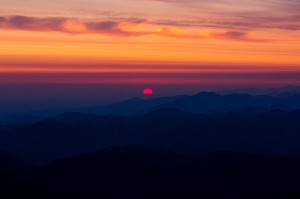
<point>114,28</point>
<point>234,35</point>
<point>31,23</point>
<point>176,33</point>
<point>284,6</point>
<point>290,6</point>
<point>69,25</point>
<point>2,19</point>
<point>177,1</point>
<point>243,21</point>
<point>248,14</point>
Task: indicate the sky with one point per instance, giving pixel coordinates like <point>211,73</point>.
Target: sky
<point>200,44</point>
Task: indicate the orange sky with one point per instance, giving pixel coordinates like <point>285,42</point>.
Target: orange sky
<point>144,41</point>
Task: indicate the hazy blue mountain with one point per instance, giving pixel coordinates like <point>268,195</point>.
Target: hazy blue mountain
<point>285,91</point>
<point>249,91</point>
<point>210,102</point>
<point>71,117</point>
<point>275,132</point>
<point>132,106</point>
<point>21,119</point>
<point>49,140</point>
<point>203,102</point>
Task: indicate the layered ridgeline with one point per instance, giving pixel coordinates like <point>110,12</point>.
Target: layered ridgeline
<point>245,101</point>
<point>10,163</point>
<point>203,103</point>
<point>142,172</point>
<point>275,133</point>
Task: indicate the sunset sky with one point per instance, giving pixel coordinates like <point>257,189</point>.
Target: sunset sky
<point>150,42</point>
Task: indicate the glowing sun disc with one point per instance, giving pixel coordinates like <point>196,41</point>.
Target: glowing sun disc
<point>148,91</point>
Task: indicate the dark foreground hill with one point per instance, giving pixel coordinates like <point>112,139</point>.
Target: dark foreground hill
<point>275,133</point>
<point>136,172</point>
<point>10,163</point>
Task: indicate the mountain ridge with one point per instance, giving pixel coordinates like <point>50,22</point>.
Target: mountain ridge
<point>166,128</point>
<point>148,172</point>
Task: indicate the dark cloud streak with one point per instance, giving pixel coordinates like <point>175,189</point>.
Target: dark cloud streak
<point>66,25</point>
<point>116,28</point>
<point>255,14</point>
<point>235,35</point>
<point>31,23</point>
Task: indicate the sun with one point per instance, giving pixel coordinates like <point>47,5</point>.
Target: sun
<point>148,91</point>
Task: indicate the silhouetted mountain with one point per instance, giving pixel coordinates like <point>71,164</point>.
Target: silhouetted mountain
<point>249,91</point>
<point>203,103</point>
<point>275,132</point>
<point>72,117</point>
<point>209,102</point>
<point>10,163</point>
<point>115,164</point>
<point>133,106</point>
<point>20,119</point>
<point>49,140</point>
<point>3,128</point>
<point>285,91</point>
<point>252,111</point>
<point>140,172</point>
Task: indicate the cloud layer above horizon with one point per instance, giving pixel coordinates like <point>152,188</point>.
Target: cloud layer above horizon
<point>49,37</point>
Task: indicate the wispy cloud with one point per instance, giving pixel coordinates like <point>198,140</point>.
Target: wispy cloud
<point>248,14</point>
<point>243,21</point>
<point>283,5</point>
<point>116,28</point>
<point>68,25</point>
<point>235,35</point>
<point>31,23</point>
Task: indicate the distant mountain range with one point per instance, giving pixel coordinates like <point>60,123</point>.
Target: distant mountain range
<point>203,103</point>
<point>135,172</point>
<point>249,101</point>
<point>275,132</point>
<point>279,92</point>
<point>170,147</point>
<point>207,102</point>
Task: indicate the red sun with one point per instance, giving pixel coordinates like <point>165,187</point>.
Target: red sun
<point>148,91</point>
